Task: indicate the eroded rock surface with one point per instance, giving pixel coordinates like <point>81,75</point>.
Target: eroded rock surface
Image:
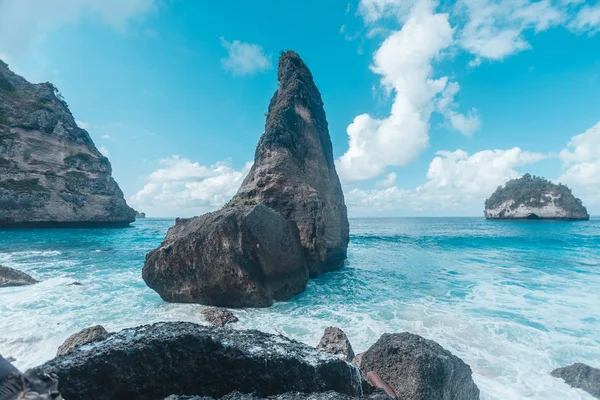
<point>419,369</point>
<point>85,336</point>
<point>531,197</point>
<point>294,172</point>
<point>580,376</point>
<point>51,173</point>
<point>11,277</point>
<point>243,256</point>
<point>378,395</point>
<point>152,362</point>
<point>334,341</point>
<point>219,317</point>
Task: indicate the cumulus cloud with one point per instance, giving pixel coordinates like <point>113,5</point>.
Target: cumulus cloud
<point>587,19</point>
<point>404,62</point>
<point>23,22</point>
<point>581,161</point>
<point>457,184</point>
<point>245,58</point>
<point>181,187</point>
<point>390,180</point>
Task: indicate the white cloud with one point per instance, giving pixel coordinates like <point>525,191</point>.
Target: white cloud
<point>581,159</point>
<point>404,62</point>
<point>103,150</point>
<point>184,188</point>
<point>494,28</point>
<point>22,22</point>
<point>390,180</point>
<point>457,184</point>
<point>465,124</point>
<point>587,19</point>
<point>374,10</point>
<point>245,58</point>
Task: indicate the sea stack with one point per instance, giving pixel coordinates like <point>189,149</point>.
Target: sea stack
<point>51,173</point>
<point>532,197</point>
<point>287,222</point>
<point>294,172</point>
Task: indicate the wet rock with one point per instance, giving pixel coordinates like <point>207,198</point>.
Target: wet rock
<point>294,171</point>
<point>335,341</point>
<point>219,317</point>
<point>15,385</point>
<point>378,395</point>
<point>419,369</point>
<point>75,284</point>
<point>580,376</point>
<point>243,256</point>
<point>82,337</point>
<point>11,277</point>
<point>154,361</point>
<point>51,173</point>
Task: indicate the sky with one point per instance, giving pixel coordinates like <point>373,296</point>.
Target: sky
<point>431,105</point>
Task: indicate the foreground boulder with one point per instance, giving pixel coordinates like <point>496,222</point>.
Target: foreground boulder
<point>11,277</point>
<point>419,369</point>
<point>51,173</point>
<point>154,361</point>
<point>335,341</point>
<point>219,317</point>
<point>85,336</point>
<point>532,197</point>
<point>294,172</point>
<point>244,256</point>
<point>15,385</point>
<point>580,376</point>
<point>378,395</point>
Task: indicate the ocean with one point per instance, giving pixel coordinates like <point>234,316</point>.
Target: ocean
<point>513,299</point>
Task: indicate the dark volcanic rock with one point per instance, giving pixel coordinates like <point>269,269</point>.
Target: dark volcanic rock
<point>12,277</point>
<point>154,361</point>
<point>532,197</point>
<point>29,386</point>
<point>419,369</point>
<point>378,395</point>
<point>85,336</point>
<point>243,256</point>
<point>335,341</point>
<point>294,171</point>
<point>51,173</point>
<point>219,317</point>
<point>580,376</point>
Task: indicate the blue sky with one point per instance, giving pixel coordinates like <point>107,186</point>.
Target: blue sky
<point>430,105</point>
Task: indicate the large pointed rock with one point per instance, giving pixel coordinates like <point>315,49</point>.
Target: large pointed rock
<point>51,174</point>
<point>242,256</point>
<point>294,171</point>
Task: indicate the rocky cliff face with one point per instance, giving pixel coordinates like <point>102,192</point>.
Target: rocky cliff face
<point>531,197</point>
<point>50,171</point>
<point>294,173</point>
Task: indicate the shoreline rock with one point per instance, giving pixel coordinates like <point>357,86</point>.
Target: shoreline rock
<point>243,256</point>
<point>52,174</point>
<point>580,376</point>
<point>534,198</point>
<point>10,277</point>
<point>154,361</point>
<point>334,341</point>
<point>85,336</point>
<point>419,369</point>
<point>219,317</point>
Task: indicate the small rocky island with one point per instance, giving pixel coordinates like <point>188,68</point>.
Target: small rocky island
<point>288,221</point>
<point>51,173</point>
<point>532,197</point>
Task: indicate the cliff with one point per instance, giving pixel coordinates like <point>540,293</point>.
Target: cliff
<point>51,173</point>
<point>531,197</point>
<point>294,172</point>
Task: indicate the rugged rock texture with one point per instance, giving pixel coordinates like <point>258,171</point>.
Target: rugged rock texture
<point>334,341</point>
<point>294,172</point>
<point>243,256</point>
<point>85,336</point>
<point>580,376</point>
<point>51,174</point>
<point>531,197</point>
<point>419,369</point>
<point>219,317</point>
<point>378,395</point>
<point>154,361</point>
<point>12,277</point>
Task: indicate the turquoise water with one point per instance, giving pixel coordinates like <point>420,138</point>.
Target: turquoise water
<point>513,299</point>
